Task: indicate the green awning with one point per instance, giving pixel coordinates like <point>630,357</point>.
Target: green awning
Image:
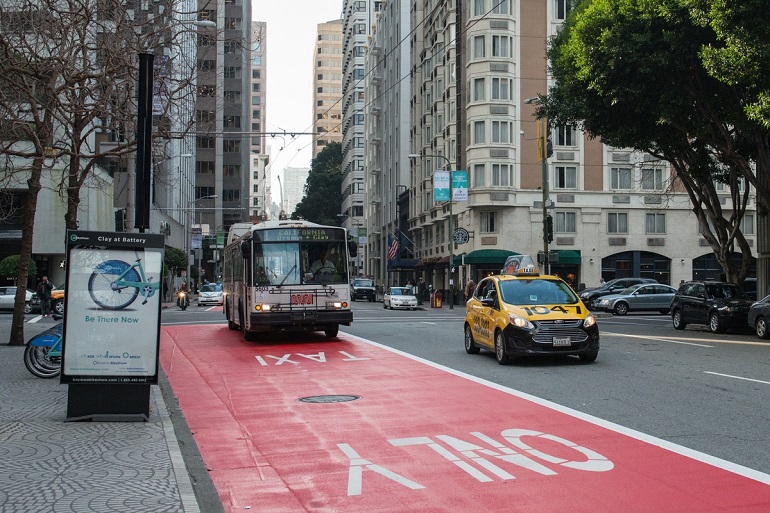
<point>568,256</point>
<point>488,256</point>
<point>458,259</point>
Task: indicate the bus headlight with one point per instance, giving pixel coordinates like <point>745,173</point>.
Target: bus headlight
<point>263,308</point>
<point>336,304</point>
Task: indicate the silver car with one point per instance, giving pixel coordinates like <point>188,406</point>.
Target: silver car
<point>8,299</point>
<point>759,316</point>
<point>399,297</point>
<point>210,294</point>
<point>637,298</point>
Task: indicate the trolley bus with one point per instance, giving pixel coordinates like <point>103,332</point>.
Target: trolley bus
<point>287,275</point>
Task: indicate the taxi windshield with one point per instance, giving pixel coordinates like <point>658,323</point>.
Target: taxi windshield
<point>536,292</point>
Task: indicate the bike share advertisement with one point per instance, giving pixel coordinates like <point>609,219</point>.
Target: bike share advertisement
<point>112,308</point>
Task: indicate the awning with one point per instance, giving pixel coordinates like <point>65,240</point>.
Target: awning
<point>488,256</point>
<point>442,261</point>
<point>406,264</point>
<point>568,257</point>
<point>458,260</point>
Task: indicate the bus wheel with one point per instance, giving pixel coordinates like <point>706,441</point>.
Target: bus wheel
<point>231,325</point>
<point>332,331</point>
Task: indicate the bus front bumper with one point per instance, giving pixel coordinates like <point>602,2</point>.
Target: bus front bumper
<point>299,320</point>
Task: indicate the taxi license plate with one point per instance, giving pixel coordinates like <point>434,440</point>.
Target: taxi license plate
<point>565,341</point>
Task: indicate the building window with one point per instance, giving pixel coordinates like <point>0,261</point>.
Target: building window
<point>478,90</point>
<point>501,46</point>
<point>202,192</point>
<point>231,170</point>
<point>478,47</point>
<point>255,88</point>
<point>478,132</point>
<point>566,136</point>
<point>207,65</point>
<point>231,146</point>
<point>231,195</point>
<point>231,122</point>
<point>501,7</point>
<point>232,72</point>
<point>255,114</point>
<point>501,175</point>
<point>564,222</point>
<point>207,90</point>
<point>502,88</point>
<point>565,177</point>
<point>620,178</point>
<point>488,222</point>
<point>747,224</point>
<point>205,142</point>
<point>617,223</point>
<point>501,132</point>
<point>232,97</point>
<point>256,100</point>
<point>358,119</point>
<point>562,8</point>
<point>204,166</point>
<point>231,46</point>
<point>655,223</point>
<point>205,116</point>
<point>255,73</point>
<point>652,179</point>
<point>479,7</point>
<point>479,170</point>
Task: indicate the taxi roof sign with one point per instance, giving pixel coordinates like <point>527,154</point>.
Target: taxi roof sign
<point>520,265</point>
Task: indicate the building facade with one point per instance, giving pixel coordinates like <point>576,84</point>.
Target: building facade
<point>327,85</point>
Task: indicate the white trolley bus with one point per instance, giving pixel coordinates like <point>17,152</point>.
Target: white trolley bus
<point>287,276</point>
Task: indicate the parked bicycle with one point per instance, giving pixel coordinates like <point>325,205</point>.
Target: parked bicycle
<point>42,356</point>
<point>115,284</point>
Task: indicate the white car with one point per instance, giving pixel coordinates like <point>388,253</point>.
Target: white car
<point>399,297</point>
<point>210,294</point>
<point>8,299</point>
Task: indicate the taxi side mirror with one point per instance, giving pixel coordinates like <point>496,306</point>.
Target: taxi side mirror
<point>488,301</point>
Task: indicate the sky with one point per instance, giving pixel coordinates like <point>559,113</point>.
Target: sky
<point>291,33</point>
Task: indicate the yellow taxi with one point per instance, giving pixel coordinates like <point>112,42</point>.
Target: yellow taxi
<point>521,312</point>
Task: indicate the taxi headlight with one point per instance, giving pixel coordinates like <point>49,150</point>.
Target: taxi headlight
<point>589,321</point>
<point>520,322</point>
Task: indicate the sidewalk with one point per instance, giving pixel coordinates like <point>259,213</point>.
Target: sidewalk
<point>48,464</point>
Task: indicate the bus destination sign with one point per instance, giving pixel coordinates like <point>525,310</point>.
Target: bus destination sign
<point>301,234</point>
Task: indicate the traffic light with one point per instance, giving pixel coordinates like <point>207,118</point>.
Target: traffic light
<point>549,228</point>
<point>120,220</point>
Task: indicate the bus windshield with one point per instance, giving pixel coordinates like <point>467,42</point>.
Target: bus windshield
<point>299,263</point>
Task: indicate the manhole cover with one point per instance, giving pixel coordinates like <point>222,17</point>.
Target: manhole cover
<point>329,398</point>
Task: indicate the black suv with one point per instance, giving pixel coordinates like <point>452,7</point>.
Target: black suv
<point>590,296</point>
<point>717,304</point>
<point>362,289</point>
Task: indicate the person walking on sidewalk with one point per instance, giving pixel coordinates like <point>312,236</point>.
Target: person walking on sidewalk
<point>44,293</point>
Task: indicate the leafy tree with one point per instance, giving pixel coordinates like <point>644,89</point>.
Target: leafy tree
<point>175,260</point>
<point>323,189</point>
<point>9,266</point>
<point>631,74</point>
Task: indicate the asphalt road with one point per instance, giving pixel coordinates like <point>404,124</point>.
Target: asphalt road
<point>699,390</point>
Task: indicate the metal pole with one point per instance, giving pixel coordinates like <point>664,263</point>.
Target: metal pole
<point>544,160</point>
<point>451,239</point>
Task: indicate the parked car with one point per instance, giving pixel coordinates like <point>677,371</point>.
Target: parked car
<point>210,294</point>
<point>57,301</point>
<point>589,296</point>
<point>362,288</point>
<point>750,288</point>
<point>8,299</point>
<point>719,305</point>
<point>759,315</point>
<point>637,298</point>
<point>399,297</point>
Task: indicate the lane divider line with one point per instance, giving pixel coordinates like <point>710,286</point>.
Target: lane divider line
<point>659,339</point>
<point>738,377</point>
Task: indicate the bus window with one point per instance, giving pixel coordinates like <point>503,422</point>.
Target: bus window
<point>324,262</point>
<point>276,264</point>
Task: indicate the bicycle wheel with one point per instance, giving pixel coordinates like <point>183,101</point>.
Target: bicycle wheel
<point>103,289</point>
<point>39,364</point>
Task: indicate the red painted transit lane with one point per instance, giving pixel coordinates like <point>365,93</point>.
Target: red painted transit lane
<point>416,437</point>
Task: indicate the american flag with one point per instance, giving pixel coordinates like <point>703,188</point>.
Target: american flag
<point>392,247</point>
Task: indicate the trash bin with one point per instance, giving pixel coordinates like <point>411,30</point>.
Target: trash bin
<point>436,299</point>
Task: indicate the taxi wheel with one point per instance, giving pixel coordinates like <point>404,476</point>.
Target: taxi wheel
<point>470,346</point>
<point>502,357</point>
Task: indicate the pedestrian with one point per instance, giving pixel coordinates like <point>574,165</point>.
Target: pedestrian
<point>469,289</point>
<point>44,293</point>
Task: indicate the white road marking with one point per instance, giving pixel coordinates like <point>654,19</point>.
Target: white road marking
<point>738,377</point>
<point>638,435</point>
<point>659,339</point>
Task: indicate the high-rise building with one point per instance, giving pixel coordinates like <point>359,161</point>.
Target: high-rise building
<point>358,17</point>
<point>387,141</point>
<point>327,85</point>
<point>614,212</point>
<point>293,187</point>
<point>223,113</point>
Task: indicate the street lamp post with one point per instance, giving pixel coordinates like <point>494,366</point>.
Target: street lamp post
<point>451,236</point>
<point>358,226</point>
<point>187,235</point>
<point>543,147</point>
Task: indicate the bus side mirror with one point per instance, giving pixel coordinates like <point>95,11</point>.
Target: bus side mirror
<point>352,248</point>
<point>246,249</point>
